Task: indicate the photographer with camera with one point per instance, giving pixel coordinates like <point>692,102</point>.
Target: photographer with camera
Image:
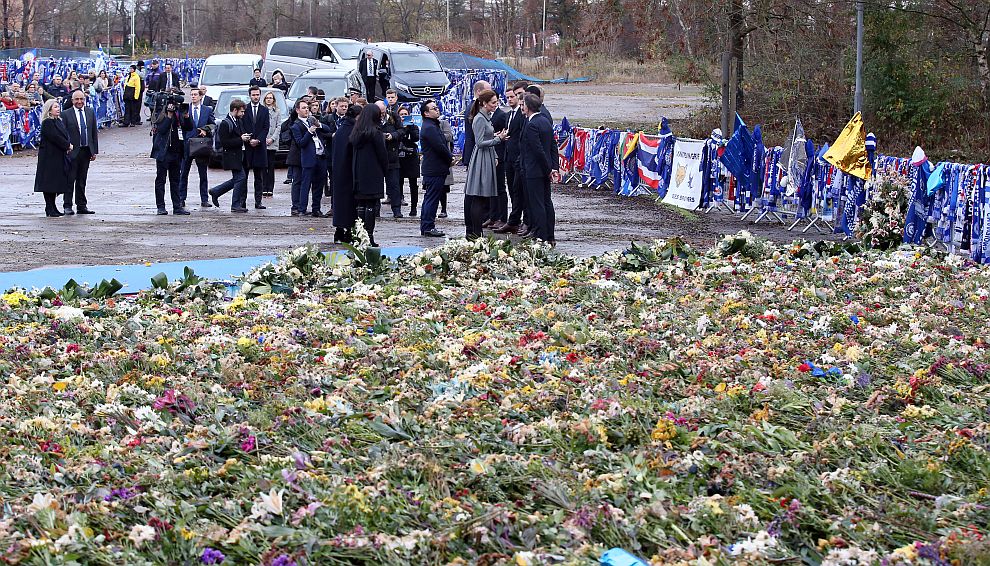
<point>171,128</point>
<point>232,138</point>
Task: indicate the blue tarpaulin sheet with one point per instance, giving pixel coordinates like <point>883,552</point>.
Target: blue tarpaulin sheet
<point>459,60</point>
<point>138,277</point>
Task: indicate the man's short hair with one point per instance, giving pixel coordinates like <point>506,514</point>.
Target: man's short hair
<point>253,88</point>
<point>202,90</point>
<point>480,87</point>
<point>532,102</point>
<point>390,91</point>
<point>301,101</point>
<point>534,89</point>
<point>237,104</point>
<point>257,70</point>
<point>425,105</point>
<point>340,99</point>
<point>519,85</point>
<point>312,89</point>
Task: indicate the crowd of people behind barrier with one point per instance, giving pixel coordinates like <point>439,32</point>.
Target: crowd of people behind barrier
<point>26,84</point>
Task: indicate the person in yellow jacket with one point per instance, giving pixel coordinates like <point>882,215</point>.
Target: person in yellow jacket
<point>132,99</point>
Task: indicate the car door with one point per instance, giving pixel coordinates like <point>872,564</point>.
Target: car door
<point>294,57</point>
<point>325,57</point>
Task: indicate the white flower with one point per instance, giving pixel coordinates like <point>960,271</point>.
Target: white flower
<point>271,502</point>
<point>140,534</point>
<point>41,501</point>
<point>67,313</point>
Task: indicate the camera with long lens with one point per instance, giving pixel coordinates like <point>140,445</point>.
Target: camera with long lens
<point>170,101</point>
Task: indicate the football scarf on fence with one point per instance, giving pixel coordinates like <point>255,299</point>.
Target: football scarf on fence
<point>806,189</point>
<point>738,160</point>
<point>918,205</point>
<point>647,162</point>
<point>600,162</point>
<point>627,176</point>
<point>980,238</point>
<point>6,127</point>
<point>686,174</point>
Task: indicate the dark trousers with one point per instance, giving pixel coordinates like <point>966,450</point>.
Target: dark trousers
<point>270,173</point>
<point>413,191</point>
<point>517,193</point>
<point>393,189</point>
<point>202,166</point>
<point>302,181</point>
<point>132,112</point>
<point>541,213</point>
<point>236,183</point>
<point>319,182</point>
<point>368,211</point>
<point>475,213</point>
<point>369,86</point>
<point>443,198</point>
<point>78,174</point>
<point>432,191</point>
<point>259,183</point>
<point>500,204</point>
<point>169,168</point>
<point>50,205</point>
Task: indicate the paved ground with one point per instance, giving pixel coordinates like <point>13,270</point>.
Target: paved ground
<point>126,229</point>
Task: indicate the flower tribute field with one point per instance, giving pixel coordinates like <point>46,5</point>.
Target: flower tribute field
<point>487,404</point>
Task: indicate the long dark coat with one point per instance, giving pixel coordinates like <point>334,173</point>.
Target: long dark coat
<point>342,156</point>
<point>370,163</point>
<point>52,175</point>
<point>256,157</point>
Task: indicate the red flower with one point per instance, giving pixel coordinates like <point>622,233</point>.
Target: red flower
<point>72,348</point>
<point>572,357</point>
<point>805,367</point>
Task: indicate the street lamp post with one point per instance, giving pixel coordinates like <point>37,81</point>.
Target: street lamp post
<point>858,99</point>
<point>133,34</point>
<point>182,22</point>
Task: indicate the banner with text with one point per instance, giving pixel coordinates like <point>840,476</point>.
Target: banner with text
<point>686,178</point>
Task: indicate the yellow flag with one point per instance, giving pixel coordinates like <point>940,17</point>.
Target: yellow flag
<point>632,144</point>
<point>848,153</point>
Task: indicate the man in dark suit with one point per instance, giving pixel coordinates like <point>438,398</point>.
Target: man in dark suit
<point>232,138</point>
<point>258,80</point>
<point>437,160</point>
<point>256,122</point>
<point>535,89</point>
<point>167,80</point>
<point>499,212</point>
<point>478,88</point>
<point>368,69</point>
<point>540,163</point>
<point>306,137</point>
<point>201,116</point>
<point>80,121</point>
<point>513,176</point>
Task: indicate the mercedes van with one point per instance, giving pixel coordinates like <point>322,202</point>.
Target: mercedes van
<point>294,55</point>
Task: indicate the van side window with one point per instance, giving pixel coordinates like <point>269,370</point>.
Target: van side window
<point>302,49</point>
<point>324,51</point>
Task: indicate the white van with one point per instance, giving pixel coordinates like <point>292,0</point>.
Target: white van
<point>230,69</point>
<point>295,55</point>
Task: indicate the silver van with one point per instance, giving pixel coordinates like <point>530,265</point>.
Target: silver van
<point>294,55</point>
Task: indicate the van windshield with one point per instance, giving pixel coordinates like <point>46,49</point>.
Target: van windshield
<point>331,87</point>
<point>227,74</point>
<point>412,61</point>
<point>348,50</point>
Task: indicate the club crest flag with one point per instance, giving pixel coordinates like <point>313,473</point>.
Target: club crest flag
<point>686,181</point>
<point>848,153</point>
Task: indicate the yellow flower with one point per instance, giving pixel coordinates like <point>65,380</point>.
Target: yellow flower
<point>244,342</point>
<point>665,430</point>
<point>15,298</point>
<point>237,304</point>
<point>160,359</point>
<point>186,533</point>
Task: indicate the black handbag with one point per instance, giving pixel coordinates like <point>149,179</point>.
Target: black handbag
<point>200,147</point>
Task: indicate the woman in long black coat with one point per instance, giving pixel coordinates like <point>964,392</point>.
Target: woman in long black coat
<point>370,162</point>
<point>52,176</point>
<point>344,209</point>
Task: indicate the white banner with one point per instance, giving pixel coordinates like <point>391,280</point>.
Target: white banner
<point>685,175</point>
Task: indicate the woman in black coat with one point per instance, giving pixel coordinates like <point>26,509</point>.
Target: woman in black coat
<point>409,159</point>
<point>342,158</point>
<point>369,165</point>
<point>52,176</point>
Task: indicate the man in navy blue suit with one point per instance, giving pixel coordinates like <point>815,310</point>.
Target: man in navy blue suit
<point>256,122</point>
<point>305,134</point>
<point>541,165</point>
<point>201,116</point>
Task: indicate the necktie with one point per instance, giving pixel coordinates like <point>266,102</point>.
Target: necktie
<point>169,83</point>
<point>83,133</point>
<point>196,115</point>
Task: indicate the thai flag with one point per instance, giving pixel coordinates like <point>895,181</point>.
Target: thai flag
<point>646,158</point>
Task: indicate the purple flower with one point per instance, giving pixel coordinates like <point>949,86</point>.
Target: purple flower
<point>211,556</point>
<point>283,560</point>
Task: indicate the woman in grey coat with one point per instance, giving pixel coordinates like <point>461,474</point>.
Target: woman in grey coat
<point>480,186</point>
